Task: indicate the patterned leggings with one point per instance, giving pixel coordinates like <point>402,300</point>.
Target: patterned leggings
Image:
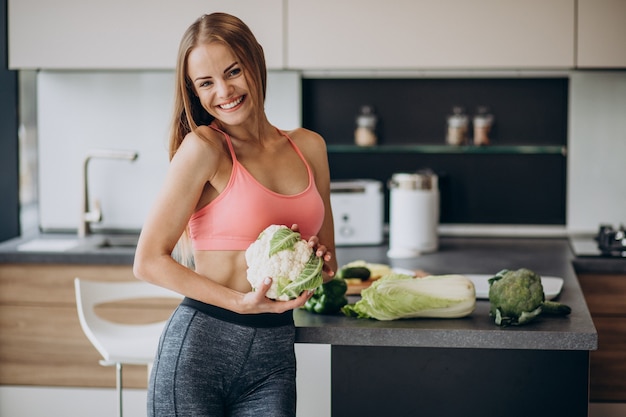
<point>209,367</point>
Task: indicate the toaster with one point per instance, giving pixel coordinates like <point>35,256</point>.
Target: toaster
<point>358,212</point>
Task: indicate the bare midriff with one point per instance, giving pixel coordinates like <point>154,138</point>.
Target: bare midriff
<point>227,268</point>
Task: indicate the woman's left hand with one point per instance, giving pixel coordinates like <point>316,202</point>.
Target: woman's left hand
<point>321,251</point>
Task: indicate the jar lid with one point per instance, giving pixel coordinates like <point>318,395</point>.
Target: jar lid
<point>420,180</point>
<point>457,121</point>
<point>482,121</point>
<point>458,118</point>
<point>367,117</point>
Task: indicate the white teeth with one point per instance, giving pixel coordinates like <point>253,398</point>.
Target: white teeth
<point>232,104</point>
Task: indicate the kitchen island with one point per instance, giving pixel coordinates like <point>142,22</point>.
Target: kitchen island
<point>468,366</point>
<point>437,367</point>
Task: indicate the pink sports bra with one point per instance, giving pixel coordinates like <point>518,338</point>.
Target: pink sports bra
<point>234,219</point>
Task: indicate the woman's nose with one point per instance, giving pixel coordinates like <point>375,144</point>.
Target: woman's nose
<point>224,89</point>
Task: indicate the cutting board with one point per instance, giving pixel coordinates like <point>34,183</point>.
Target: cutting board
<point>355,287</point>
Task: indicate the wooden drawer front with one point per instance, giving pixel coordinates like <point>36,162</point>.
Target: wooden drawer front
<point>605,294</point>
<point>34,284</point>
<point>45,346</point>
<point>41,341</point>
<point>608,363</point>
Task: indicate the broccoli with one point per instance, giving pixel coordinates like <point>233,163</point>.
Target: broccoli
<point>517,297</point>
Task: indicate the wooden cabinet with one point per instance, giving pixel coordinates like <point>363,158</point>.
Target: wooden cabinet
<point>120,34</point>
<point>430,34</point>
<point>41,340</point>
<point>326,34</point>
<point>606,298</point>
<point>601,30</point>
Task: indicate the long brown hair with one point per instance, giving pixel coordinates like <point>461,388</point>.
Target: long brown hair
<point>188,111</point>
<point>234,34</point>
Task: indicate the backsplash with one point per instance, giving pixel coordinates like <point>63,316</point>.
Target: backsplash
<point>80,110</point>
<point>83,110</point>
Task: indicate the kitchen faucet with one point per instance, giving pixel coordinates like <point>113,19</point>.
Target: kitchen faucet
<point>88,216</point>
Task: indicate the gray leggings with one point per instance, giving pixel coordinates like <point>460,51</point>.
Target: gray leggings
<point>209,367</point>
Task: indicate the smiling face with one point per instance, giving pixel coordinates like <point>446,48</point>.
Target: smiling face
<point>220,83</point>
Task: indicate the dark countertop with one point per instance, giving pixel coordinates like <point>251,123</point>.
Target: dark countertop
<point>546,256</point>
<point>61,248</point>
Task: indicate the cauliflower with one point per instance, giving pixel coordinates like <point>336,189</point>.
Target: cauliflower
<point>517,297</point>
<point>282,254</point>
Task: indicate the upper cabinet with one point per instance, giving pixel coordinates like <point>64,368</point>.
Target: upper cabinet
<point>430,34</point>
<point>328,34</point>
<point>123,34</point>
<point>601,34</point>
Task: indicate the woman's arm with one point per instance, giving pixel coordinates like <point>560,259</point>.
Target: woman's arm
<point>313,147</point>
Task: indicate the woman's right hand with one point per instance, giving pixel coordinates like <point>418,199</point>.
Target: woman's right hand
<point>257,302</point>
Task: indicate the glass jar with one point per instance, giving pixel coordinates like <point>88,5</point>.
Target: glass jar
<point>365,133</point>
<point>457,127</point>
<point>483,121</point>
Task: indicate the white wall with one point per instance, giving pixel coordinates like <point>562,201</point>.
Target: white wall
<point>78,111</point>
<point>596,191</point>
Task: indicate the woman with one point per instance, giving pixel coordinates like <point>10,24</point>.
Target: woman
<point>228,351</point>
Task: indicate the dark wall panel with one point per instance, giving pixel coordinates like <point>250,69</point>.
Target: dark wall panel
<point>9,180</point>
<point>489,188</point>
<point>529,111</point>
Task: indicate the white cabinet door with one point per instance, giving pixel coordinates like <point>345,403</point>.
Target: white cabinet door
<point>430,34</point>
<point>124,34</point>
<point>601,34</point>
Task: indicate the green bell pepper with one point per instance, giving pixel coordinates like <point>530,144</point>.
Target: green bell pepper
<point>328,298</point>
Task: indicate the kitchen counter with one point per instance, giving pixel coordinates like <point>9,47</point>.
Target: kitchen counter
<point>548,257</point>
<point>441,367</point>
<point>62,248</point>
<point>118,249</point>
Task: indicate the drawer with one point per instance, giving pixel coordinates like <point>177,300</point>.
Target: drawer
<point>605,293</point>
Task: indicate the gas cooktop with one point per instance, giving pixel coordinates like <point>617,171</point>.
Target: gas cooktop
<point>612,242</point>
<point>608,243</point>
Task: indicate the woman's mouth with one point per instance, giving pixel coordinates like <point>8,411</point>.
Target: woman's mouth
<point>232,104</point>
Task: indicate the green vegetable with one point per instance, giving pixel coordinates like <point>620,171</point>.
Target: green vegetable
<point>282,254</point>
<point>398,296</point>
<point>376,270</point>
<point>517,297</point>
<point>328,298</point>
<point>360,272</point>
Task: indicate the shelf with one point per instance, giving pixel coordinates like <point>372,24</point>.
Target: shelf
<point>447,149</point>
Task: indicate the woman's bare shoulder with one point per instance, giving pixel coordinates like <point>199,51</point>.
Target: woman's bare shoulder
<point>202,150</point>
<point>204,137</point>
<point>202,143</point>
<point>307,139</point>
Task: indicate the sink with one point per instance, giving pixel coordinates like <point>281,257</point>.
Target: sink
<point>121,241</point>
<point>49,245</point>
<point>70,243</point>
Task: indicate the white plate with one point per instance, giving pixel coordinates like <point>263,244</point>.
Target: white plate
<point>403,271</point>
<point>551,285</point>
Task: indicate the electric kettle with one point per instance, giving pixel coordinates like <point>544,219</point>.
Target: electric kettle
<point>413,214</point>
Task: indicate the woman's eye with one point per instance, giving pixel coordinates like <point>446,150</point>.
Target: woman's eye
<point>205,84</point>
<point>235,72</point>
